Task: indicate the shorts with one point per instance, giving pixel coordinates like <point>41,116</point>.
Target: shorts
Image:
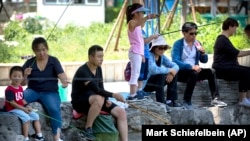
<point>82,105</point>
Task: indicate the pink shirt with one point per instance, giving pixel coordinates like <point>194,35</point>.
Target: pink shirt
<point>136,41</point>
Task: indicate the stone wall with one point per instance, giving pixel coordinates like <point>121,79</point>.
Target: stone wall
<point>228,92</point>
<point>10,125</point>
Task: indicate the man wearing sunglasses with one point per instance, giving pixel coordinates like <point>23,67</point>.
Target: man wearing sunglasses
<point>187,52</point>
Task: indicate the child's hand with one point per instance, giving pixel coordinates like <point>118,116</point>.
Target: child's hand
<point>27,110</point>
<point>152,16</point>
<point>155,36</point>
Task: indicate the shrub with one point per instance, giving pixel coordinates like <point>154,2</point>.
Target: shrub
<point>6,53</point>
<point>111,13</point>
<point>32,25</point>
<point>14,31</point>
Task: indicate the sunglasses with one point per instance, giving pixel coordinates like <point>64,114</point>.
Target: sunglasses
<point>193,33</point>
<point>162,48</point>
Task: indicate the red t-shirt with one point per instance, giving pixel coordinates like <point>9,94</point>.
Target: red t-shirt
<point>16,94</point>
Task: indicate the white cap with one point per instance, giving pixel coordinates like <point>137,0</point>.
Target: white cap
<point>160,41</point>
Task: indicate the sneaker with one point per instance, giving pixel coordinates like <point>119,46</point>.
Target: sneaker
<point>137,97</point>
<point>248,99</point>
<point>173,104</point>
<point>145,94</point>
<point>39,138</point>
<point>89,134</point>
<point>219,103</point>
<point>244,102</point>
<point>188,105</point>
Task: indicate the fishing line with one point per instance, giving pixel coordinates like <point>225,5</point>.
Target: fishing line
<point>59,19</point>
<point>49,117</point>
<point>197,26</point>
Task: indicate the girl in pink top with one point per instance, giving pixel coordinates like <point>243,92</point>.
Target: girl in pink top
<point>135,20</point>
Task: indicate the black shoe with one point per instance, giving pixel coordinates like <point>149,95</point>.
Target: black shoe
<point>174,104</point>
<point>89,135</point>
<point>39,138</point>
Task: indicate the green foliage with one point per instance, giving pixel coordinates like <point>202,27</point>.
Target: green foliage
<point>32,25</point>
<point>239,41</point>
<point>71,43</point>
<point>14,31</point>
<point>6,53</point>
<point>111,13</point>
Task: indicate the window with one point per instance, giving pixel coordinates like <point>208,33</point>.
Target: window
<point>79,1</point>
<point>57,1</point>
<point>93,2</point>
<point>84,2</point>
<point>50,1</point>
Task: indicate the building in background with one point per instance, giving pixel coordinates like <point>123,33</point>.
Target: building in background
<point>78,12</point>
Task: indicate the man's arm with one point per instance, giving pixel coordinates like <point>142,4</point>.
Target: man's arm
<point>92,86</point>
<point>244,53</point>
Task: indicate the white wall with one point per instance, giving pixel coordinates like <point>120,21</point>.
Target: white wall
<point>82,15</point>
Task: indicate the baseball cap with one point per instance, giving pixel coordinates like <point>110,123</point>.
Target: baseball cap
<point>141,9</point>
<point>160,41</point>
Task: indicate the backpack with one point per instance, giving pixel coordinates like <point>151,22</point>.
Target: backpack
<point>127,72</point>
<point>105,129</point>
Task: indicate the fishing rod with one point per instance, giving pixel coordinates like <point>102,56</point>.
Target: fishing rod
<point>1,5</point>
<point>59,19</point>
<point>157,24</point>
<point>197,26</point>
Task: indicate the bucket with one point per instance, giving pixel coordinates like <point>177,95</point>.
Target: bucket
<point>63,93</point>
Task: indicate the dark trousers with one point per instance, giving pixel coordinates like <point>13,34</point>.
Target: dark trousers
<point>243,4</point>
<point>191,77</point>
<point>237,73</point>
<point>157,82</point>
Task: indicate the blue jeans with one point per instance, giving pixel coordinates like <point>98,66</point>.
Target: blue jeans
<point>51,102</point>
<point>24,116</point>
<point>144,70</point>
